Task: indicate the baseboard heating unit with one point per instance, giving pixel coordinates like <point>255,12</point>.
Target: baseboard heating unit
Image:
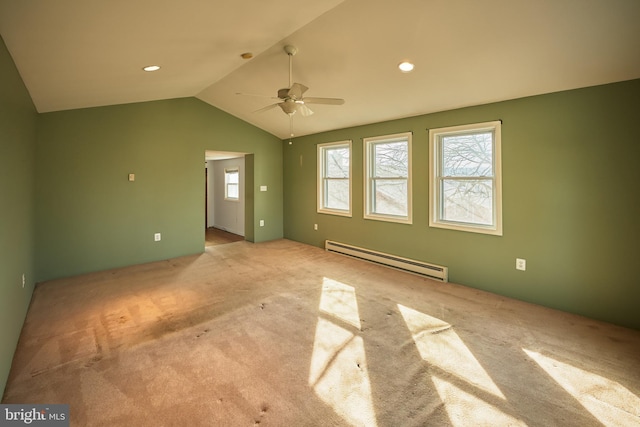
<point>409,265</point>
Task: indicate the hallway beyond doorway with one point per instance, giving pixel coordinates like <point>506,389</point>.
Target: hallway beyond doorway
<point>215,236</point>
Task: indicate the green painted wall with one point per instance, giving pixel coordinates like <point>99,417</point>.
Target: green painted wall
<point>89,217</point>
<point>571,201</point>
<point>17,150</point>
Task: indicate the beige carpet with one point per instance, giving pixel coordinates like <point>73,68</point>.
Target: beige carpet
<point>285,334</point>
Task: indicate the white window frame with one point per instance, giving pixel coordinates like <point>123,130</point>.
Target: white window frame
<point>369,179</point>
<point>323,179</point>
<point>227,172</point>
<point>436,179</point>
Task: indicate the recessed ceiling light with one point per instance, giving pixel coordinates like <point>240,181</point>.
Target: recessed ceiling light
<point>405,66</point>
<point>151,68</point>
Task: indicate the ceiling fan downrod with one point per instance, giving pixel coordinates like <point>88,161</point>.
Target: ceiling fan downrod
<point>290,50</point>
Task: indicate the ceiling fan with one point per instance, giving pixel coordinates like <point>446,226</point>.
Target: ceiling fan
<point>292,99</point>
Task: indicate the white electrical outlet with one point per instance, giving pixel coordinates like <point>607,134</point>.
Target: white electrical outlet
<point>315,226</point>
<point>157,237</point>
<point>262,223</point>
<point>521,264</point>
<point>24,280</point>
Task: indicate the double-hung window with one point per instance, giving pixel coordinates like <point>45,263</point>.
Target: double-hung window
<point>388,178</point>
<point>231,184</point>
<point>334,178</point>
<point>465,178</point>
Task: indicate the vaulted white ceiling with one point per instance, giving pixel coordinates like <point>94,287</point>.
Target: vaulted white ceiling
<point>86,53</point>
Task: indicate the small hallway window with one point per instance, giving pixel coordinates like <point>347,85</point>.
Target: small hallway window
<point>231,187</point>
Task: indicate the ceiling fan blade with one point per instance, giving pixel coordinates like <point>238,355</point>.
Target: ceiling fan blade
<point>268,107</point>
<point>304,110</point>
<point>329,101</point>
<point>296,91</point>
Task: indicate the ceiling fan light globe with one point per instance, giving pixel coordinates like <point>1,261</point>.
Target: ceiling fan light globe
<point>289,106</point>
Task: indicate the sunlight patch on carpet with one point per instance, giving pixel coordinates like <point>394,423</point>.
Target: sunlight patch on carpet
<point>339,300</point>
<point>338,372</point>
<point>439,345</point>
<point>607,400</point>
<point>465,409</point>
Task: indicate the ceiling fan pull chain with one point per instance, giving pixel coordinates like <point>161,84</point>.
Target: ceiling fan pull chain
<point>291,125</point>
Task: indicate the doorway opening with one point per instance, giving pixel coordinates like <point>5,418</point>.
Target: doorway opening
<point>225,197</point>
